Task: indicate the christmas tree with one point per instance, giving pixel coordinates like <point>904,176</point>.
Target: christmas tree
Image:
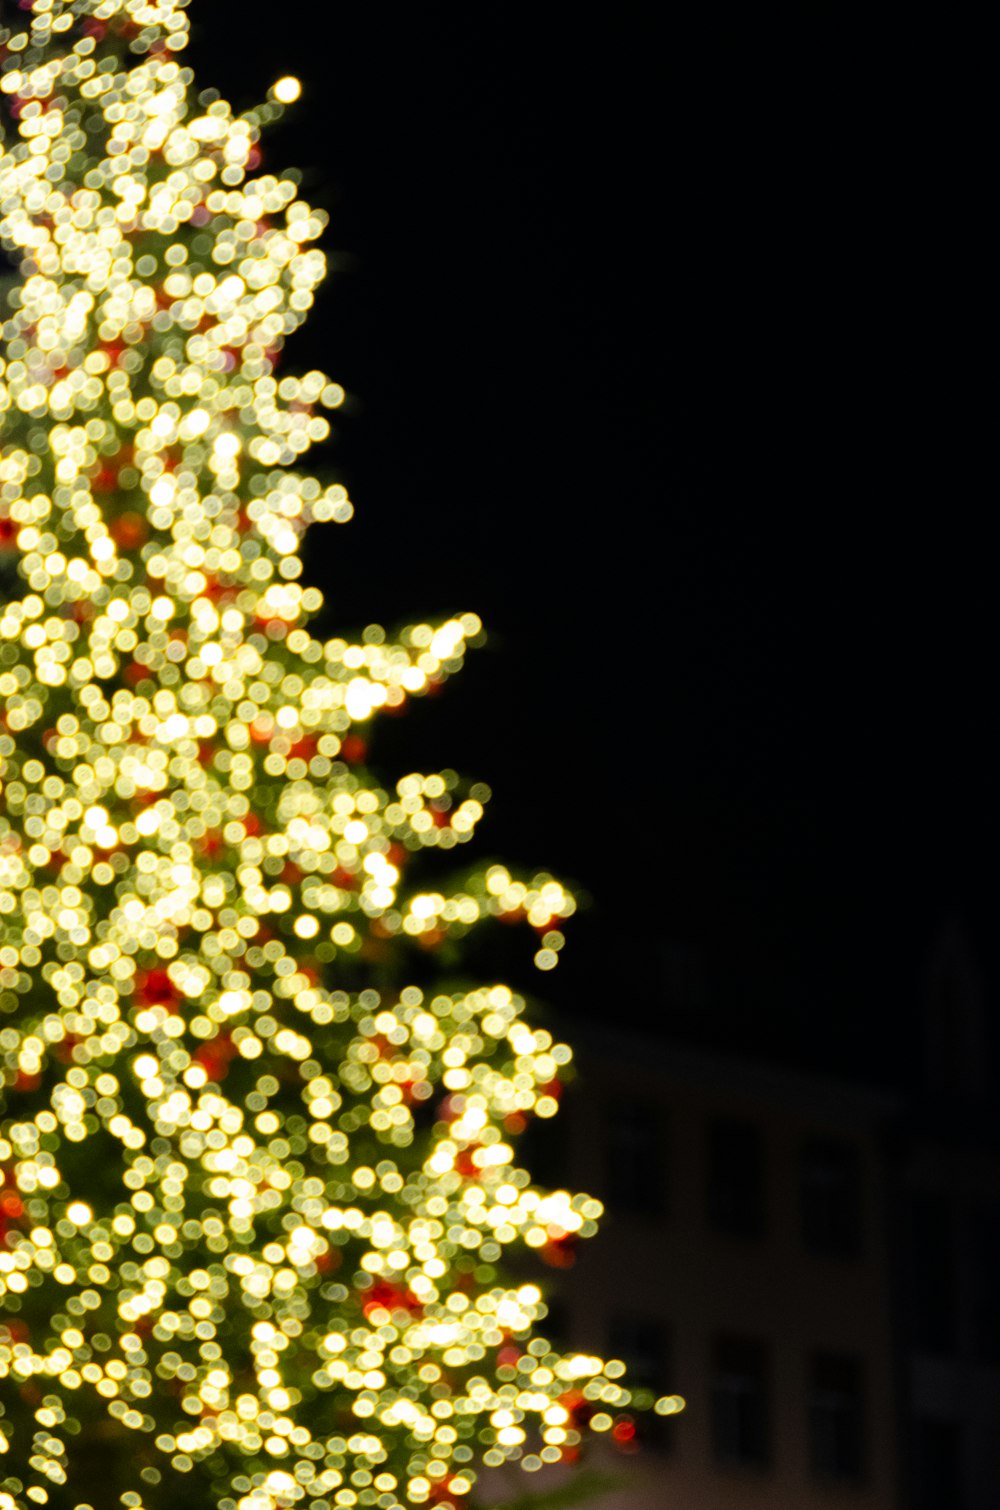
<point>255,1181</point>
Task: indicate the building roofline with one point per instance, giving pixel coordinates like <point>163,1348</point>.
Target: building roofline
<point>802,1088</point>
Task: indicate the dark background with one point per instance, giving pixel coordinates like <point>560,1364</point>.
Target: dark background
<point>662,338</point>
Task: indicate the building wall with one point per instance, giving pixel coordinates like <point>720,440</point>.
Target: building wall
<point>949,1287</point>
<point>947,1236</point>
<point>669,1269</point>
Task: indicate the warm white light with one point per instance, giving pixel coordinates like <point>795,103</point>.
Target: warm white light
<point>287,90</point>
<point>200,881</point>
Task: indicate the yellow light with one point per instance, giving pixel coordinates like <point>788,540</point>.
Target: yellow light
<point>200,881</point>
<point>287,90</point>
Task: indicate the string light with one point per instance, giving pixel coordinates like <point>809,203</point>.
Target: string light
<point>251,1207</point>
<point>287,90</point>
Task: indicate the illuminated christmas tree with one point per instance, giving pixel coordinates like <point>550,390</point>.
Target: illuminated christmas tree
<point>255,1185</point>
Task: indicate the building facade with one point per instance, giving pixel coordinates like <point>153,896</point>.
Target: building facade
<point>744,1263</point>
<point>947,1237</point>
<point>814,1266</point>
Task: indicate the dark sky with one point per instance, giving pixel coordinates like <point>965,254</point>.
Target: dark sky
<point>662,342</point>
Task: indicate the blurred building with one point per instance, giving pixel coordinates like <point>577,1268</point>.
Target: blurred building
<point>947,1236</point>
<point>813,1265</point>
<point>745,1263</point>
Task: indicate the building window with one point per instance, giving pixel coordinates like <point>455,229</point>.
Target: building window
<point>556,1325</point>
<point>740,1426</point>
<point>735,1178</point>
<point>938,1478</point>
<point>933,1273</point>
<point>544,1148</point>
<point>831,1197</point>
<point>836,1417</point>
<point>635,1158</point>
<point>644,1347</point>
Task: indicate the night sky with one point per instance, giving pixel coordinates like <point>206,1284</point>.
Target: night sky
<point>661,342</point>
